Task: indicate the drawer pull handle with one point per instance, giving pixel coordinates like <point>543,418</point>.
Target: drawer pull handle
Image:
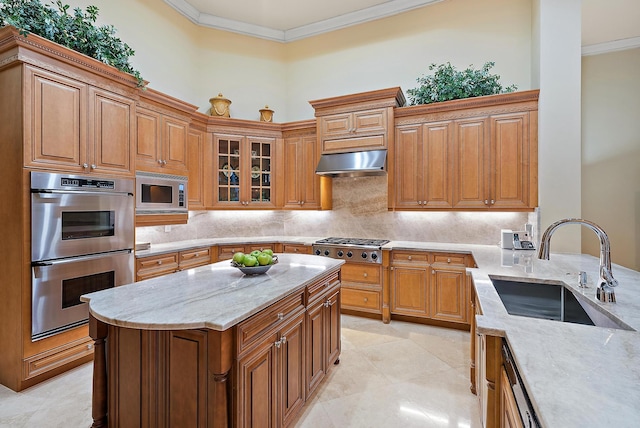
<point>448,260</point>
<point>280,316</point>
<point>365,274</point>
<point>159,262</point>
<point>89,346</point>
<point>366,300</point>
<point>409,258</point>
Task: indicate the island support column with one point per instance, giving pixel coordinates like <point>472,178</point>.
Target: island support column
<point>220,353</point>
<point>98,332</point>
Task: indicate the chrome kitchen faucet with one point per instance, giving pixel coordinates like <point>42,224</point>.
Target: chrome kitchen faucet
<point>606,282</point>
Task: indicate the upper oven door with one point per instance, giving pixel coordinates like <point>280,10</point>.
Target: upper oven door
<point>75,223</point>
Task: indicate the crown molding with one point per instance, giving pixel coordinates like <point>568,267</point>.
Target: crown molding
<point>613,46</point>
<point>358,17</point>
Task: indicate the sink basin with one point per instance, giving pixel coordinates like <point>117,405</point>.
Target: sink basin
<point>552,301</point>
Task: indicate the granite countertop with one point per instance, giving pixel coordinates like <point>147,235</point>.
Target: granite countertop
<point>576,375</point>
<point>216,296</point>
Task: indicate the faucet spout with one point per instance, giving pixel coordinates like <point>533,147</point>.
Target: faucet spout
<point>606,281</point>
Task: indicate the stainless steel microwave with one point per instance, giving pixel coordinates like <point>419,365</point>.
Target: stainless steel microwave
<point>160,193</point>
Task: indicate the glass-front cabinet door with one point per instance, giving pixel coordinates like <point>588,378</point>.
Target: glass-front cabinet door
<point>242,172</point>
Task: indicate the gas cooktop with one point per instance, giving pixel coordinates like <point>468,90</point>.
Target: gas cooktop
<point>360,250</point>
<point>362,242</point>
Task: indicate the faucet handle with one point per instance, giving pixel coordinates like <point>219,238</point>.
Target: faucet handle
<point>606,294</point>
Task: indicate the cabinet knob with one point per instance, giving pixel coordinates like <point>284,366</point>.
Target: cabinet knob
<point>85,166</point>
<point>433,272</point>
<point>280,315</point>
<point>164,162</point>
<point>89,346</point>
<point>448,260</point>
<point>424,202</point>
<point>365,300</point>
<point>365,275</point>
<point>301,202</point>
<point>159,262</point>
<point>409,258</point>
<point>419,202</point>
<point>159,161</point>
<point>486,202</point>
<point>492,202</point>
<point>326,304</point>
<point>93,166</point>
<point>278,343</point>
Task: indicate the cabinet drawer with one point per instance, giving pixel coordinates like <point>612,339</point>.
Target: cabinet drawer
<point>149,267</point>
<point>359,299</point>
<point>297,249</point>
<point>253,330</point>
<point>451,259</point>
<point>410,257</point>
<point>226,252</point>
<point>57,357</point>
<point>362,273</point>
<point>193,258</point>
<point>318,288</point>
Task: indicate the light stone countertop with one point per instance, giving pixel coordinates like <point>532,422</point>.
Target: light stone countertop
<point>217,296</point>
<point>576,375</point>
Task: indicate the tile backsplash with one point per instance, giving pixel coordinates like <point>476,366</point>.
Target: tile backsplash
<point>359,211</point>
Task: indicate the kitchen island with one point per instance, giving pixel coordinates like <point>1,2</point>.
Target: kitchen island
<point>213,347</point>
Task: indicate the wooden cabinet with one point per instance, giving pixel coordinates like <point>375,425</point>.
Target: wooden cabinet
<point>243,172</point>
<point>297,249</point>
<point>75,127</point>
<point>226,252</point>
<point>301,183</point>
<point>510,417</point>
<point>323,331</point>
<point>163,264</point>
<point>473,154</point>
<point>162,133</point>
<point>197,146</point>
<point>357,122</point>
<point>430,286</point>
<point>362,287</point>
<point>423,159</point>
<point>271,365</point>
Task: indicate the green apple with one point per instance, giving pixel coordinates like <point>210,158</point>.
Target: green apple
<point>256,253</point>
<point>268,251</point>
<point>248,260</point>
<point>264,259</point>
<point>237,257</point>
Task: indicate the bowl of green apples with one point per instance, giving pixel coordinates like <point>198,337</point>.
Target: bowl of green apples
<point>255,263</point>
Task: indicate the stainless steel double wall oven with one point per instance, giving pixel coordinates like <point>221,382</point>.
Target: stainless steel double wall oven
<point>82,239</point>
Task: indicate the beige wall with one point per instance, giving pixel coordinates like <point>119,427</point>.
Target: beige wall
<point>611,153</point>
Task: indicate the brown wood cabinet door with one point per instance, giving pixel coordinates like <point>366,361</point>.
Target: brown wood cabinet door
<point>258,385</point>
<point>437,164</point>
<point>471,179</point>
<point>332,328</point>
<point>409,169</point>
<point>148,134</point>
<point>187,389</point>
<point>195,164</point>
<point>174,145</point>
<point>55,121</point>
<point>293,186</point>
<point>510,161</point>
<point>292,361</point>
<point>509,409</point>
<point>448,295</point>
<point>316,325</point>
<point>410,291</point>
<point>111,133</point>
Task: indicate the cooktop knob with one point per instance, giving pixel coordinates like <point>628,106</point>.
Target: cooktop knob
<point>317,252</point>
<point>349,254</point>
<point>326,252</point>
<point>340,253</point>
<point>374,256</point>
<point>364,255</point>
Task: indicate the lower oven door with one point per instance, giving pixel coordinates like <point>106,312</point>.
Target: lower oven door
<point>58,284</point>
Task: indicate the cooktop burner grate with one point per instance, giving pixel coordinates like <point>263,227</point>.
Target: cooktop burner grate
<point>364,242</point>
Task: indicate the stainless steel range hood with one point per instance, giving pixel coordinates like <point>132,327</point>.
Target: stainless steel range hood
<point>356,164</point>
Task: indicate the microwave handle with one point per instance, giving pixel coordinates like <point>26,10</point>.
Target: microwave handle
<point>42,192</point>
<point>78,259</point>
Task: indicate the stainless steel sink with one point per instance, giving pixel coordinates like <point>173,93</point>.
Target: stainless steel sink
<point>552,301</point>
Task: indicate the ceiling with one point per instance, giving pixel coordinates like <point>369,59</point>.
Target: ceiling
<point>607,25</point>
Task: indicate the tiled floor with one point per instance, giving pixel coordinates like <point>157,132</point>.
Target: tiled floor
<point>396,374</point>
